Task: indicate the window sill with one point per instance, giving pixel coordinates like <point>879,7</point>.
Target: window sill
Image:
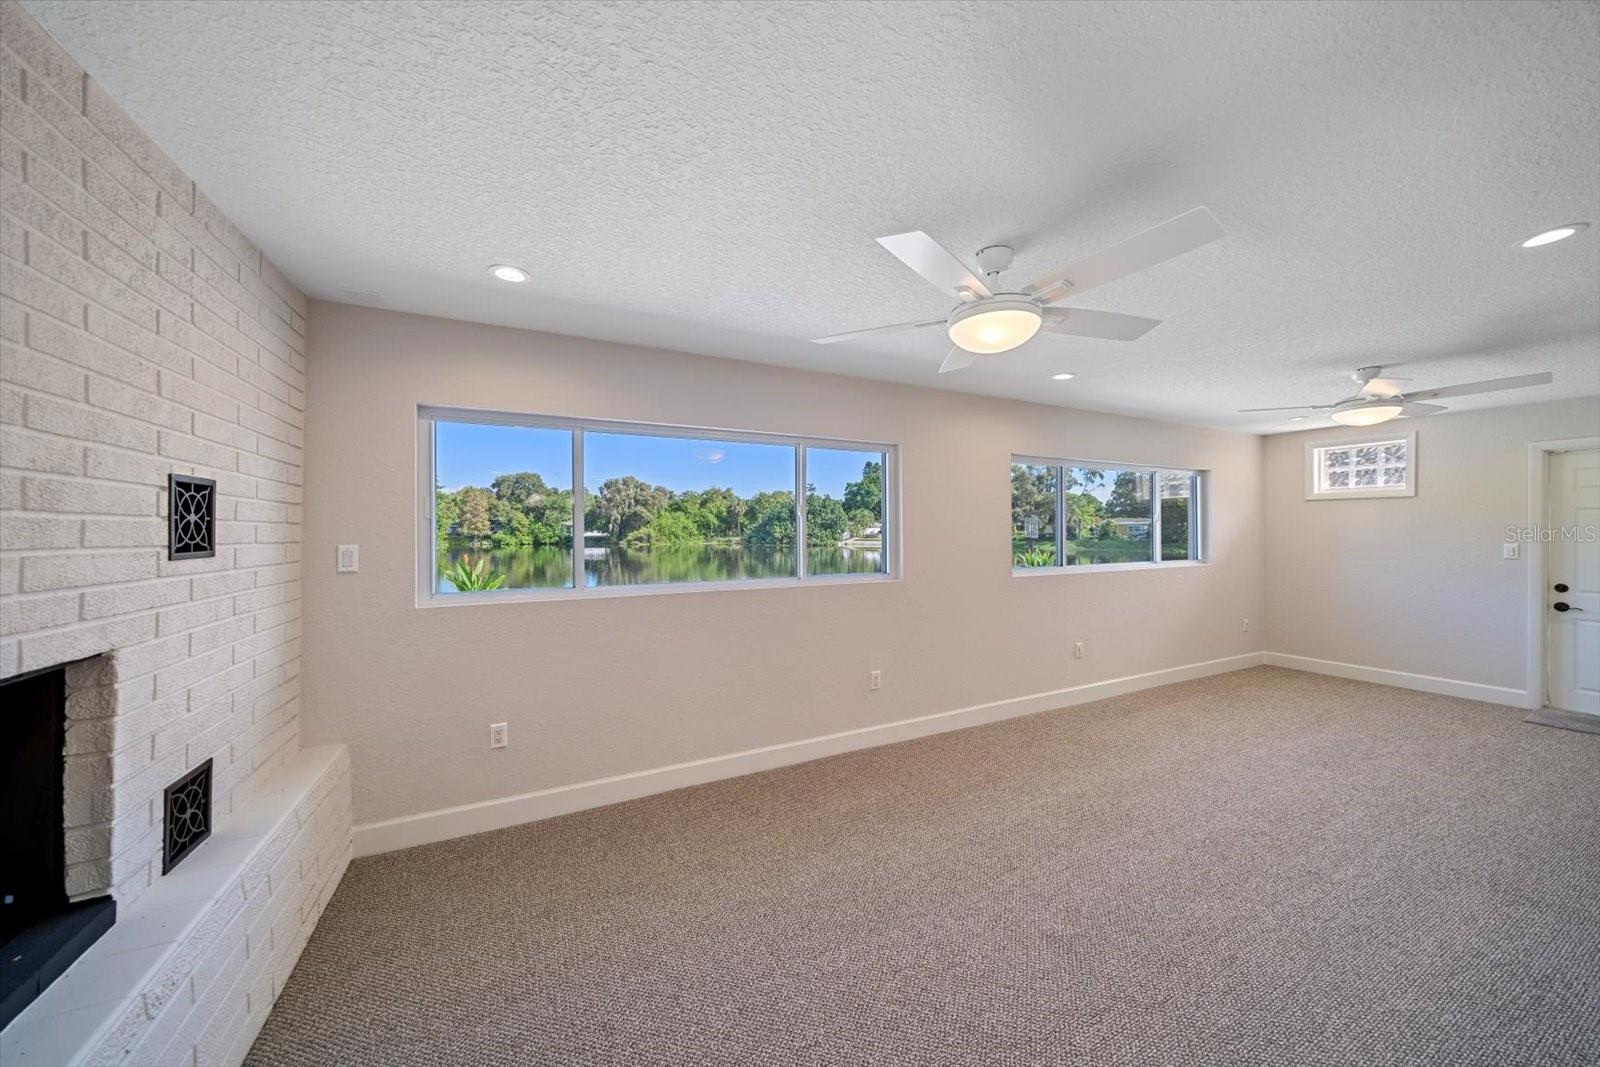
<point>1359,494</point>
<point>567,593</point>
<point>1103,568</point>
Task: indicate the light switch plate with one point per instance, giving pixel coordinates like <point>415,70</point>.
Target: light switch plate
<point>349,559</point>
<point>1511,550</point>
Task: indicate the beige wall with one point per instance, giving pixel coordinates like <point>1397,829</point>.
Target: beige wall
<point>1413,584</point>
<point>608,686</point>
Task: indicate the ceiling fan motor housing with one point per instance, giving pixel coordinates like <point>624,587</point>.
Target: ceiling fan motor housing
<point>993,259</point>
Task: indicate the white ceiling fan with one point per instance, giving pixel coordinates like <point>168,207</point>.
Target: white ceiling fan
<point>991,318</point>
<point>1380,399</point>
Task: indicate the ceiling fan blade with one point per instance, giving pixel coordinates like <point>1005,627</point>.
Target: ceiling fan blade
<point>853,334</point>
<point>1493,385</point>
<point>1155,245</point>
<point>1111,325</point>
<point>934,262</point>
<point>1414,410</point>
<point>1292,407</point>
<point>958,359</point>
<point>1383,387</point>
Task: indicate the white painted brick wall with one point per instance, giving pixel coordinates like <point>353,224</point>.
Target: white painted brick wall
<point>246,953</point>
<point>140,333</point>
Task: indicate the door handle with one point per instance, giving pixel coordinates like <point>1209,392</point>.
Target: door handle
<point>1562,605</point>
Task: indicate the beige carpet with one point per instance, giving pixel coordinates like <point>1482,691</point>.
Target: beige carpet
<point>1261,867</point>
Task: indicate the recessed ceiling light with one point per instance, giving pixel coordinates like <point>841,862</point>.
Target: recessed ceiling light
<point>1064,376</point>
<point>1550,237</point>
<point>1298,418</point>
<point>507,273</point>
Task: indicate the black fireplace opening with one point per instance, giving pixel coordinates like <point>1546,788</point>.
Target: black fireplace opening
<point>41,931</point>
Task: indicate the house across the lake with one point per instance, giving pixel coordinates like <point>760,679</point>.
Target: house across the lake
<point>1133,529</point>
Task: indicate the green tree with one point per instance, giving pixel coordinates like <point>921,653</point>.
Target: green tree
<point>446,512</point>
<point>825,519</point>
<point>770,519</point>
<point>521,489</point>
<point>1081,478</point>
<point>866,494</point>
<point>1082,514</point>
<point>667,528</point>
<point>860,521</point>
<point>625,504</point>
<point>474,519</point>
<point>1175,528</point>
<point>1130,495</point>
<point>524,511</point>
<point>718,512</point>
<point>1033,496</point>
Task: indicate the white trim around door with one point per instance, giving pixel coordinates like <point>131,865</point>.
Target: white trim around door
<point>1538,478</point>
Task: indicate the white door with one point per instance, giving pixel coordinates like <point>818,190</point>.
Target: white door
<point>1572,588</point>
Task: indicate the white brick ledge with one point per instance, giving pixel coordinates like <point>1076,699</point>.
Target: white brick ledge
<point>189,972</point>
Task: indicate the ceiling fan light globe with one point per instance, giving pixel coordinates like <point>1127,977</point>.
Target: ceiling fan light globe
<point>1366,413</point>
<point>1000,324</point>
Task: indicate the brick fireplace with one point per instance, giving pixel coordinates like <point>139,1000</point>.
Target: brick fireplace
<point>149,352</point>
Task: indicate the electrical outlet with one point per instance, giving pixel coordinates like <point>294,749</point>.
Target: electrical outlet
<point>1244,625</point>
<point>876,680</point>
<point>349,559</point>
<point>1077,650</point>
<point>497,735</point>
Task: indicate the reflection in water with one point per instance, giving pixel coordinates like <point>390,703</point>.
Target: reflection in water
<point>550,567</point>
<point>1082,554</point>
<point>1025,554</point>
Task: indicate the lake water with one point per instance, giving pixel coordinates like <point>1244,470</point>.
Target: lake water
<point>550,567</point>
<point>1088,553</point>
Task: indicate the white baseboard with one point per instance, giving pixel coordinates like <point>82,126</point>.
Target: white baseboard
<point>445,823</point>
<point>1427,683</point>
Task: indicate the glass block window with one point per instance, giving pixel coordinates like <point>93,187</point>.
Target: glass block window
<point>1361,468</point>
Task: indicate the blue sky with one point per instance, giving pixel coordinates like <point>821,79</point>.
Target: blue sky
<point>473,454</point>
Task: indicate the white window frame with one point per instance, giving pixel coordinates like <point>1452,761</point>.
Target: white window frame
<point>428,415</point>
<point>1315,490</point>
<point>1199,526</point>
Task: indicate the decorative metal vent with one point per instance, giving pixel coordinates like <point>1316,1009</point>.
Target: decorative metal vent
<point>187,821</point>
<point>191,517</point>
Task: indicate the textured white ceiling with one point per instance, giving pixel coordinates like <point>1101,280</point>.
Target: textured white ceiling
<point>711,177</point>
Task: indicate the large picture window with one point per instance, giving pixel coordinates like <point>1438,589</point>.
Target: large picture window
<point>1069,514</point>
<point>526,506</point>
